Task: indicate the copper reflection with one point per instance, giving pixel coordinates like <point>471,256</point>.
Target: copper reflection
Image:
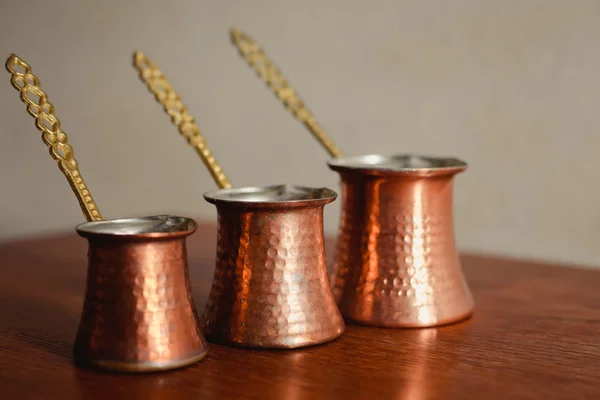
<point>270,287</point>
<point>138,314</point>
<point>396,262</point>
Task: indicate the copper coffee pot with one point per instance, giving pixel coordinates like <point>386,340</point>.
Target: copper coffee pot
<point>138,314</point>
<point>396,262</point>
<point>270,287</point>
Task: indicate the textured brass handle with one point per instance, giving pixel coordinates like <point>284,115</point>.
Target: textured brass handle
<point>164,93</point>
<point>270,74</point>
<point>46,122</point>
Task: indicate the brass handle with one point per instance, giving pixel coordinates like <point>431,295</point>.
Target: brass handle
<point>46,122</point>
<point>270,74</point>
<point>164,93</point>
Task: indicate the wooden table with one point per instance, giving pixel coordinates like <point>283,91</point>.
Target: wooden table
<point>535,334</point>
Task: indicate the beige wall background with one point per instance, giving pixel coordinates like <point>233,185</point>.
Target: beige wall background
<point>512,87</point>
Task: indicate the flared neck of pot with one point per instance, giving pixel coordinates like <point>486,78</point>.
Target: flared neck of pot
<point>401,165</point>
<point>278,197</point>
<point>135,229</point>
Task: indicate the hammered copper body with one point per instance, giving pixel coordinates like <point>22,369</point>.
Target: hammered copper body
<point>270,286</point>
<point>396,262</point>
<point>138,313</point>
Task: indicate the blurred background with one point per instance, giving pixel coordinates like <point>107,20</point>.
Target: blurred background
<point>511,87</point>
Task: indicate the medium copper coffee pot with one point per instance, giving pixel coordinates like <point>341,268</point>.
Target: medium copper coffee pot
<point>396,262</point>
<point>270,287</point>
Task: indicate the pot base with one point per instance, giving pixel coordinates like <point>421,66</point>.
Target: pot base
<point>142,367</point>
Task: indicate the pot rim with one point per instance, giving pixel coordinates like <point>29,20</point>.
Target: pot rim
<point>276,196</point>
<point>398,164</point>
<point>157,226</point>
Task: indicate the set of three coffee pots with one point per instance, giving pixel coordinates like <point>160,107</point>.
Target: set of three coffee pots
<point>395,265</point>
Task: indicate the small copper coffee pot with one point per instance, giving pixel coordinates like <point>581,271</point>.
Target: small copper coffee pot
<point>396,262</point>
<point>270,287</point>
<point>138,314</point>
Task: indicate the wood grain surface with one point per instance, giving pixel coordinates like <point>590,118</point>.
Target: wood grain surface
<point>534,335</point>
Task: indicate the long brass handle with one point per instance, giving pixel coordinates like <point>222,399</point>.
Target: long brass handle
<point>270,74</point>
<point>39,107</point>
<point>164,93</point>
